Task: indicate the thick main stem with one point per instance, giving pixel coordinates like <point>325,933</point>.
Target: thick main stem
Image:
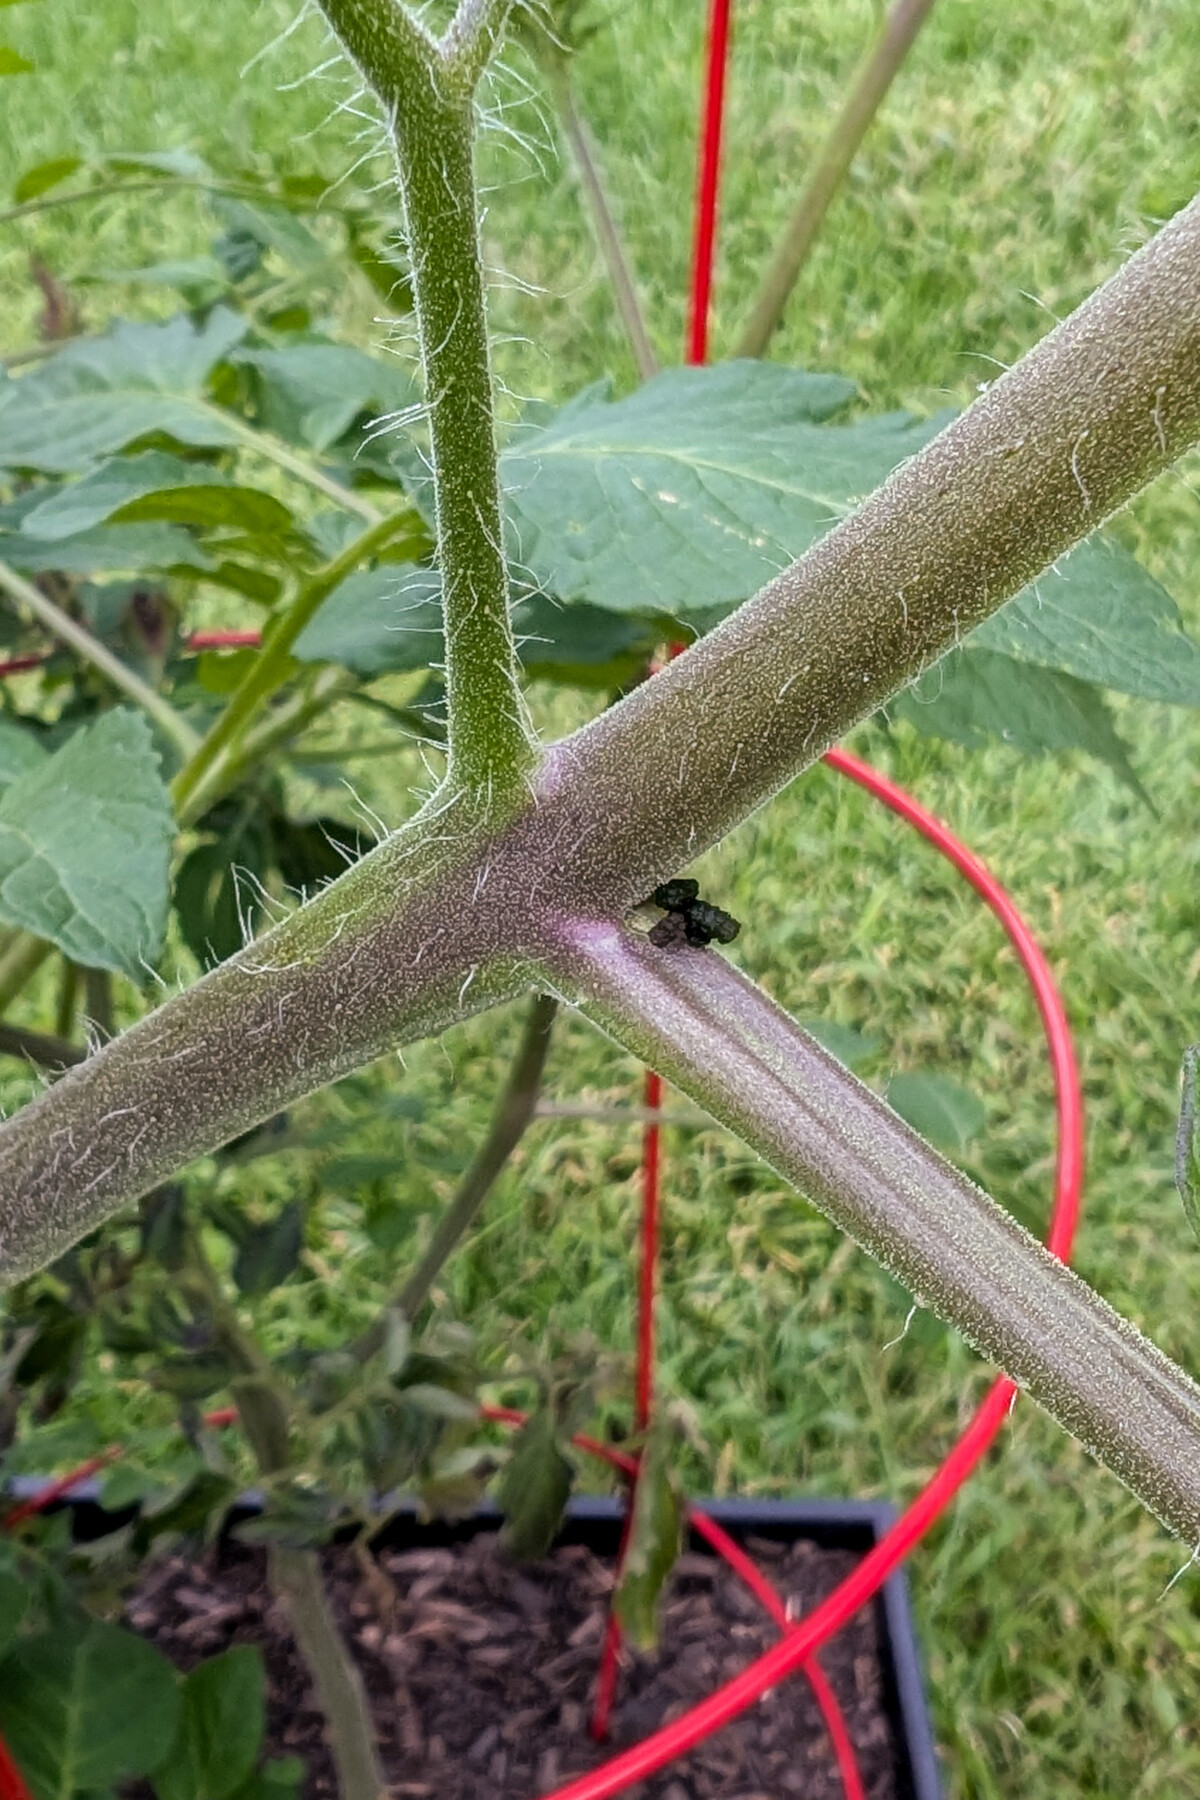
<point>721,1040</point>
<point>862,102</point>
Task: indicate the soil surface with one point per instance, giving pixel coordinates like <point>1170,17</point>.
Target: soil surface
<point>481,1672</point>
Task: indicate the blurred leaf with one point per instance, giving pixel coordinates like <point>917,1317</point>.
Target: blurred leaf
<point>182,162</point>
<point>81,1709</point>
<point>110,550</point>
<point>386,269</point>
<point>269,1253</point>
<point>1098,615</point>
<point>350,1174</point>
<point>79,505</point>
<point>221,1730</point>
<point>849,1046</point>
<point>279,1779</point>
<point>299,1517</point>
<point>13,64</point>
<point>973,695</point>
<point>271,227</point>
<point>196,1375</point>
<point>380,620</point>
<point>195,1507</point>
<point>218,885</point>
<point>14,1602</point>
<point>312,393</point>
<point>534,1488</point>
<point>85,842</point>
<point>1187,1138</point>
<point>97,396</point>
<point>938,1108</point>
<point>581,645</point>
<point>43,176</point>
<point>655,1538</point>
<point>20,750</point>
<point>164,1226</point>
<point>314,852</point>
<point>211,505</point>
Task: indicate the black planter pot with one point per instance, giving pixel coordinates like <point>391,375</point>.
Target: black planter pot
<point>856,1526</point>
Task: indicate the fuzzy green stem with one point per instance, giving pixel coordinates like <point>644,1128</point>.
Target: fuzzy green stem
<point>426,88</point>
<point>195,786</point>
<point>863,100</point>
<point>604,224</point>
<point>60,624</point>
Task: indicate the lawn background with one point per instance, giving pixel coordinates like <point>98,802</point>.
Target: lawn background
<point>1023,152</point>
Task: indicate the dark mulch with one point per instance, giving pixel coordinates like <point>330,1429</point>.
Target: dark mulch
<point>482,1676</point>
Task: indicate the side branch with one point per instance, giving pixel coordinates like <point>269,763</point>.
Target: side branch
<point>428,95</point>
<point>718,1038</point>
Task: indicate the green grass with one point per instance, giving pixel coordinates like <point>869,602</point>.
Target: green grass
<point>1025,149</point>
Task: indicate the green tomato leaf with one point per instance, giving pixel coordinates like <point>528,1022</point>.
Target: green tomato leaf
<point>269,1253</point>
<point>43,176</point>
<point>973,695</point>
<point>271,227</point>
<point>580,645</point>
<point>380,620</point>
<point>534,1488</point>
<point>110,550</point>
<point>14,1602</point>
<point>85,839</point>
<point>210,506</point>
<point>1098,615</point>
<point>20,751</point>
<point>99,396</point>
<point>938,1108</point>
<point>390,619</point>
<point>849,1046</point>
<point>696,489</point>
<point>217,891</point>
<point>221,1731</point>
<point>279,1779</point>
<point>80,505</point>
<point>81,1709</point>
<point>312,393</point>
<point>655,1539</point>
